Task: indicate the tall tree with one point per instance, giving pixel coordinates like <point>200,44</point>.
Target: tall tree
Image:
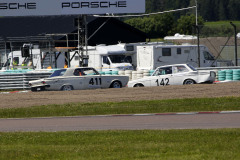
<point>234,8</point>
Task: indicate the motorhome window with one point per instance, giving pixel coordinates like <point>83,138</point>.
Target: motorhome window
<point>120,58</point>
<point>186,51</point>
<point>166,52</point>
<point>105,60</point>
<point>130,48</point>
<point>179,51</point>
<point>76,58</point>
<point>207,56</point>
<point>128,59</point>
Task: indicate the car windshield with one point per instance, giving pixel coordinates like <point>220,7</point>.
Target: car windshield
<point>190,66</point>
<point>58,73</point>
<point>120,59</point>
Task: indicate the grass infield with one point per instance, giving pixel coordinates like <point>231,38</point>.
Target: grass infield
<point>218,144</point>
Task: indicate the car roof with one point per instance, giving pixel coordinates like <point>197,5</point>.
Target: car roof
<point>172,65</point>
<point>69,71</point>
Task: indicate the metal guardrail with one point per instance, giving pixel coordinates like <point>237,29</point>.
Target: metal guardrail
<point>20,80</point>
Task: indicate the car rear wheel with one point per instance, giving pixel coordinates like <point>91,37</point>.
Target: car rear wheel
<point>67,88</point>
<point>188,81</point>
<point>116,84</point>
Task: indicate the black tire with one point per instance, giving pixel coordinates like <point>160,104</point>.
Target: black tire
<point>33,89</point>
<point>67,88</point>
<point>188,81</point>
<point>42,88</point>
<point>138,85</point>
<point>116,84</point>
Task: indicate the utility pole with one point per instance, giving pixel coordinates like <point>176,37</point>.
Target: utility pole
<point>82,37</point>
<point>198,43</point>
<point>196,12</point>
<point>235,37</point>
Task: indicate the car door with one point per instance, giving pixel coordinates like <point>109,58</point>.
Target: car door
<point>92,80</point>
<point>180,74</point>
<point>163,76</point>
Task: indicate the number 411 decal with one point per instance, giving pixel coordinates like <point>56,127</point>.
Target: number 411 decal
<point>164,82</point>
<point>95,81</point>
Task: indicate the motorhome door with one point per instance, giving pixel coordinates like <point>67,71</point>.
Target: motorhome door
<point>105,63</point>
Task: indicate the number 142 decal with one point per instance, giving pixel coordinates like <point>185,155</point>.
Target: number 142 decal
<point>164,82</point>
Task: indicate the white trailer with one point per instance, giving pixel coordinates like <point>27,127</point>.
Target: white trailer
<point>153,56</point>
<point>104,58</point>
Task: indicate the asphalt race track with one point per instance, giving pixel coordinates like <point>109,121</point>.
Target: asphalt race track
<point>122,122</point>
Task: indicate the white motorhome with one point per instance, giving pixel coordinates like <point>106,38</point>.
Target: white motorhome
<point>105,58</point>
<point>153,56</point>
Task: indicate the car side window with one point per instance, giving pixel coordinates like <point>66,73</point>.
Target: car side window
<point>89,72</point>
<point>163,71</point>
<point>78,72</point>
<point>180,69</point>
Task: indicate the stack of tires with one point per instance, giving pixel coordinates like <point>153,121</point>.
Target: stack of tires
<point>236,75</point>
<point>139,74</point>
<point>114,72</point>
<point>129,74</point>
<point>134,75</point>
<point>151,72</point>
<point>121,73</point>
<point>229,75</point>
<point>108,72</point>
<point>221,75</point>
<point>146,73</point>
<point>102,73</point>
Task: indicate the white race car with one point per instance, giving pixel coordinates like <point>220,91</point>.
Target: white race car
<point>77,79</point>
<point>177,74</point>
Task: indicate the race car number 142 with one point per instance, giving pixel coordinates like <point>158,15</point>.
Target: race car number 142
<point>162,82</point>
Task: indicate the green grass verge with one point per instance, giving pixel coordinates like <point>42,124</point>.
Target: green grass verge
<point>219,23</point>
<point>218,144</point>
<point>132,107</point>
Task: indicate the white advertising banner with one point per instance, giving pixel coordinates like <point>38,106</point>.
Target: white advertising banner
<point>69,7</point>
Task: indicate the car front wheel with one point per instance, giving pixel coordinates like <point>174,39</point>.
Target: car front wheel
<point>116,84</point>
<point>67,88</point>
<point>189,81</point>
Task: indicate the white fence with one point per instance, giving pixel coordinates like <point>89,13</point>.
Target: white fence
<point>19,80</point>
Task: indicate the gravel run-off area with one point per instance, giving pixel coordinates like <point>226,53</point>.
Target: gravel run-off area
<point>30,99</point>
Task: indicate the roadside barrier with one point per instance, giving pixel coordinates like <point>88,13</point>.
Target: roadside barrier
<point>229,75</point>
<point>19,80</point>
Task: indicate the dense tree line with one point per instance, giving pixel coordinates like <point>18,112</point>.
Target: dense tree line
<point>210,10</point>
<point>183,22</point>
<point>157,26</point>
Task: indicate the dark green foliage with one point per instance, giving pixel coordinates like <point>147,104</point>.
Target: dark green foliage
<point>164,24</point>
<point>210,10</point>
